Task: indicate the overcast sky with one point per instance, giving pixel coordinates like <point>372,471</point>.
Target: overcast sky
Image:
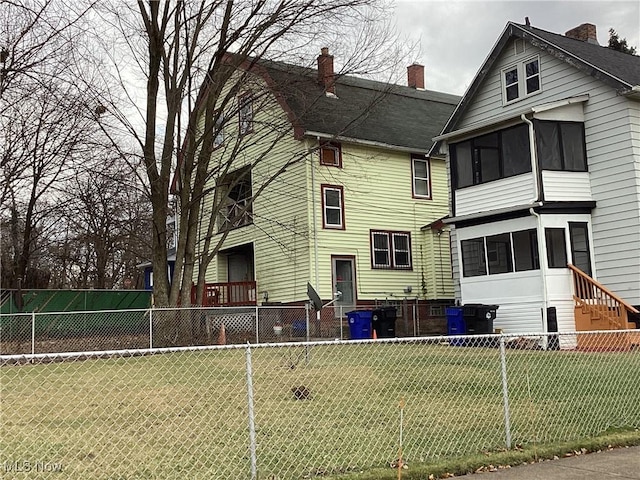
<point>456,37</point>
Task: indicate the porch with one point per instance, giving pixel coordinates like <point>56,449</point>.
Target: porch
<point>227,294</point>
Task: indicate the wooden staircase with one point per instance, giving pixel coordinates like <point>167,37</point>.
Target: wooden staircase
<point>598,308</point>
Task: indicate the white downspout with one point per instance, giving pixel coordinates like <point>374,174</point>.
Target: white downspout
<point>315,222</point>
<point>542,247</point>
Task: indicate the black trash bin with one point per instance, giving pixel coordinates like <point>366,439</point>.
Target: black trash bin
<point>479,318</point>
<point>383,321</point>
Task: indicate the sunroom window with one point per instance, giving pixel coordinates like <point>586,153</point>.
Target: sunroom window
<point>500,154</point>
<point>561,146</point>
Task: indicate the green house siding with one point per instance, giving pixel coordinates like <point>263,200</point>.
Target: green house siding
<point>377,191</point>
<point>287,238</point>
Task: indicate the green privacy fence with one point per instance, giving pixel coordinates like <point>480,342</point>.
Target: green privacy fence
<point>73,300</point>
<point>53,306</point>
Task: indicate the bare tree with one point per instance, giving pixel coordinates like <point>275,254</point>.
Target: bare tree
<point>205,43</point>
<point>44,138</point>
<point>36,40</point>
<point>106,217</point>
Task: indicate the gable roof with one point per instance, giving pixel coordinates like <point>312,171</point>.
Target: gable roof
<point>361,110</point>
<point>620,71</point>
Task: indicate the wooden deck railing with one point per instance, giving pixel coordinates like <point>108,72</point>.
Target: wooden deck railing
<point>228,294</point>
<point>599,301</point>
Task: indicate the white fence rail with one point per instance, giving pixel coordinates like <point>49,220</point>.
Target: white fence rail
<point>299,410</point>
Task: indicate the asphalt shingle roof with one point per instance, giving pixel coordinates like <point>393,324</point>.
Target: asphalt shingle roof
<point>362,109</point>
<point>623,66</point>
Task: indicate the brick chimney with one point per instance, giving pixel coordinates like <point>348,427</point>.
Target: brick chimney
<point>585,33</point>
<point>325,71</point>
<point>415,76</point>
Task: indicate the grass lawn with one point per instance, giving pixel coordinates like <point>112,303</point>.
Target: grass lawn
<point>185,415</point>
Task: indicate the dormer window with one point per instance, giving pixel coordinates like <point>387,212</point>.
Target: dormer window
<point>331,154</point>
<point>521,80</point>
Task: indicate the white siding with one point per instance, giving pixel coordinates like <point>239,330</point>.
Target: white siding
<point>521,295</point>
<point>506,192</point>
<point>614,165</point>
<point>559,80</point>
<point>612,131</point>
<point>566,186</point>
<point>518,295</point>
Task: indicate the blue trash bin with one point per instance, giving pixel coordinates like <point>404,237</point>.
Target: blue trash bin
<point>455,324</point>
<point>299,328</point>
<point>359,324</point>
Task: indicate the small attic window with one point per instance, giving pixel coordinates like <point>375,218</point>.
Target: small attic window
<point>331,154</point>
<point>521,80</point>
<point>518,46</point>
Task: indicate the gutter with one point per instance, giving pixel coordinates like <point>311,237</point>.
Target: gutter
<point>368,143</point>
<point>634,93</point>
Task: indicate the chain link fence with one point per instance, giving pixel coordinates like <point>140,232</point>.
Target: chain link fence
<point>159,328</point>
<point>310,409</point>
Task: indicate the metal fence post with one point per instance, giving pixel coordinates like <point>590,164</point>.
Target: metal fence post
<point>151,327</point>
<point>307,306</point>
<point>505,392</point>
<point>252,425</point>
<point>33,333</point>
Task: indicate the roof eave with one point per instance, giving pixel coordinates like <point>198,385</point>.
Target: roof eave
<point>493,121</point>
<point>368,143</point>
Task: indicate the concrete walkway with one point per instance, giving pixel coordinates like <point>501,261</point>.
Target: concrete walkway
<point>619,463</point>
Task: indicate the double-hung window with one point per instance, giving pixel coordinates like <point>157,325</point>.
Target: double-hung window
<point>332,207</point>
<point>245,112</point>
<point>218,131</point>
<point>421,173</point>
<point>391,250</point>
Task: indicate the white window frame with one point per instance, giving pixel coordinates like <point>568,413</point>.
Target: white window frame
<point>391,250</point>
<point>218,132</point>
<point>245,114</point>
<point>426,179</point>
<point>521,71</point>
<point>524,71</point>
<point>326,208</point>
<point>374,250</point>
